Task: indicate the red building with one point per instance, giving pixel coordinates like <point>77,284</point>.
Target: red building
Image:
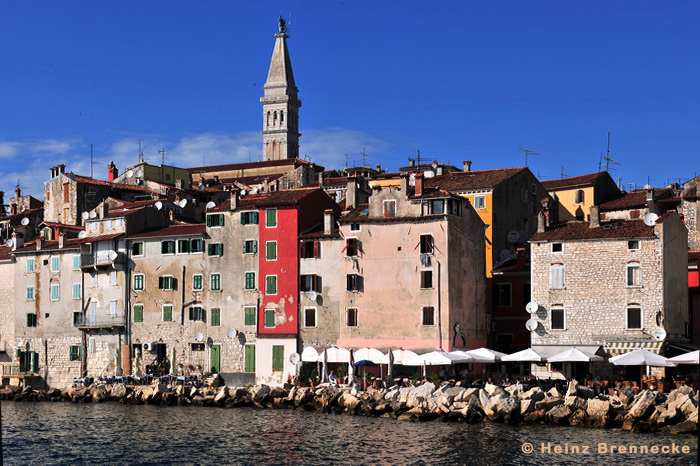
<point>694,296</point>
<point>511,293</point>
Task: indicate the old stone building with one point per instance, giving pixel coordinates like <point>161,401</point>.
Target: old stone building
<point>7,307</point>
<point>609,287</point>
<point>691,212</point>
<point>636,204</point>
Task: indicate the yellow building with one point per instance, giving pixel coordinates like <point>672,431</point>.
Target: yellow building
<point>577,194</point>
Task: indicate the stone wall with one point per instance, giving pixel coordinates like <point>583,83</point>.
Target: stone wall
<point>691,214</point>
<point>7,307</point>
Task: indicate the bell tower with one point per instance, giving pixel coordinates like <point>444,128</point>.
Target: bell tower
<point>280,104</point>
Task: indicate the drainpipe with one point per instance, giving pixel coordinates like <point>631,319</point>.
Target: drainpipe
<point>439,307</point>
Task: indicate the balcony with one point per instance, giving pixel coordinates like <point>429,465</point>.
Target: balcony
<point>101,259</point>
<point>99,319</point>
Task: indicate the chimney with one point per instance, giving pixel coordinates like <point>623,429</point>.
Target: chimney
<point>17,241</point>
<point>328,222</point>
<point>216,179</point>
<point>403,186</point>
<point>467,165</point>
<point>112,171</point>
<point>411,163</point>
<point>266,185</point>
<point>18,194</point>
<point>419,184</point>
<point>234,199</point>
<point>540,223</point>
<point>61,240</point>
<point>13,209</point>
<point>595,217</point>
<point>521,258</point>
<point>39,243</point>
<point>379,167</point>
<point>351,194</point>
<point>320,179</point>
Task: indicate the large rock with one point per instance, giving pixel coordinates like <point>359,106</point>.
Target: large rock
<point>420,395</point>
<point>558,414</point>
<point>348,402</point>
<point>668,416</point>
<point>578,417</point>
<point>553,392</point>
<point>260,392</point>
<point>526,406</point>
<point>391,395</point>
<point>485,403</point>
<point>598,409</point>
<point>220,397</point>
<point>534,394</point>
<point>574,402</point>
<point>535,416</point>
<point>626,396</point>
<point>572,389</point>
<point>507,407</point>
<point>548,403</point>
<point>642,405</point>
<point>119,390</point>
<point>467,394</point>
<point>585,392</point>
<point>683,403</point>
<point>492,389</point>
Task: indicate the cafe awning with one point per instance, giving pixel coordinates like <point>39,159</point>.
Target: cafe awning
<point>617,347</point>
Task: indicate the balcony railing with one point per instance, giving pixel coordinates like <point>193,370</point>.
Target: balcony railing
<point>100,319</point>
<point>100,258</point>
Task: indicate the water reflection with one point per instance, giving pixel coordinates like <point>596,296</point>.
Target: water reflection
<point>66,433</point>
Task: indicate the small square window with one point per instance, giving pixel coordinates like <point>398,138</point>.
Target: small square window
<point>249,315</point>
<point>75,353</point>
<point>558,319</point>
<point>76,262</point>
<point>354,227</point>
<point>215,220</point>
<point>183,246</point>
<point>54,289</point>
<point>197,282</point>
<point>197,313</point>
<point>30,265</point>
<point>215,250</point>
<point>269,318</point>
<point>310,317</point>
<point>557,247</point>
<point>634,318</point>
<point>167,313</point>
<point>215,282</point>
<point>271,250</point>
<point>167,247</point>
<point>138,282</point>
<point>479,202</point>
<point>427,244</point>
<point>426,279</point>
<point>270,218</point>
<point>55,264</point>
<point>196,245</point>
<point>215,319</point>
<point>271,284</point>
<point>137,249</point>
<point>30,293</point>
<point>428,315</point>
<point>633,244</point>
<point>250,280</point>
<point>166,283</point>
<point>351,317</point>
<point>250,246</point>
<point>31,320</point>
<point>634,275</point>
<point>389,208</point>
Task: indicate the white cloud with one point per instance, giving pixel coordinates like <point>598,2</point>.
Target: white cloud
<point>53,146</point>
<point>9,150</point>
<point>328,147</point>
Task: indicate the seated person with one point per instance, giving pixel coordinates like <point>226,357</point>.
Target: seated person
<point>332,378</point>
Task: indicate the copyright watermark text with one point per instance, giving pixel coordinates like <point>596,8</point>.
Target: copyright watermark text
<point>603,449</point>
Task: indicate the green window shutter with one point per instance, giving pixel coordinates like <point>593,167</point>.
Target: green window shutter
<point>167,313</point>
<point>250,280</point>
<point>138,313</point>
<point>30,293</point>
<point>249,314</point>
<point>271,217</point>
<point>215,317</point>
<point>215,282</point>
<point>255,218</point>
<point>76,262</point>
<point>208,220</point>
<point>197,282</point>
<point>269,318</point>
<point>243,218</point>
<point>221,219</point>
<point>271,284</point>
<point>221,249</point>
<point>271,250</point>
<point>277,358</point>
<point>249,358</point>
<point>76,290</point>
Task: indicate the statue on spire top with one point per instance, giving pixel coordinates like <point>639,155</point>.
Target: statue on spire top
<point>282,25</point>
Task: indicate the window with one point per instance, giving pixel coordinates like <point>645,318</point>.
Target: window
<point>196,245</point>
<point>93,226</point>
<point>354,227</point>
<point>250,246</point>
<point>271,250</point>
<point>183,246</point>
<point>502,295</point>
<point>270,218</point>
<point>427,244</point>
<point>277,358</point>
<point>269,318</point>
<point>249,358</point>
<point>31,320</point>
<point>215,220</point>
<point>76,262</point>
<point>138,282</point>
<point>167,313</point>
<point>30,293</point>
<point>167,247</point>
<point>166,283</point>
<point>66,192</point>
<point>557,247</point>
<point>55,264</point>
<point>633,245</point>
<point>197,313</point>
<point>77,318</point>
<point>634,275</point>
<point>309,283</point>
<point>93,278</point>
<point>76,291</point>
<point>635,214</point>
<point>351,317</point>
<point>74,353</point>
<point>216,249</point>
<point>556,276</point>
<point>215,282</point>
<point>108,224</point>
<point>352,247</point>
<point>55,295</point>
<point>215,317</point>
<point>30,265</point>
<point>634,318</point>
<point>310,317</point>
<point>119,223</point>
<point>426,279</point>
<point>249,218</point>
<point>310,249</point>
<point>354,282</point>
<point>249,315</point>
<point>137,249</point>
<point>579,196</point>
<point>113,277</point>
<point>197,346</point>
<point>437,206</point>
<point>428,315</point>
<point>480,202</point>
<point>250,280</point>
<point>389,208</point>
<point>558,319</point>
<point>197,282</point>
<point>271,284</point>
<point>113,309</point>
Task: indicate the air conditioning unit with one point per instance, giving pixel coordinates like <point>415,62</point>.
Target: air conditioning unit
<point>149,346</point>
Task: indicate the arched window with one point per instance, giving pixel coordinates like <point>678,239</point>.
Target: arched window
<point>282,117</point>
<point>268,118</point>
<point>578,197</point>
<point>274,118</point>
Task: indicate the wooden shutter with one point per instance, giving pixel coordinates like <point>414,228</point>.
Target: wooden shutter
<point>255,218</point>
<point>302,250</point>
<point>317,249</point>
<point>208,220</point>
<point>215,317</point>
<point>249,358</point>
<point>277,358</point>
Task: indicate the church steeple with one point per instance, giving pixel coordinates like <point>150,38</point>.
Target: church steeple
<point>280,104</point>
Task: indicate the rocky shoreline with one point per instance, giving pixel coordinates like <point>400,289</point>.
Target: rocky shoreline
<point>676,412</point>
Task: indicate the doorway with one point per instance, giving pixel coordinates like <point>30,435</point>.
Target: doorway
<point>215,358</point>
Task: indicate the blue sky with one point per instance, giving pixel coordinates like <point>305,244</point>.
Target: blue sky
<point>455,80</point>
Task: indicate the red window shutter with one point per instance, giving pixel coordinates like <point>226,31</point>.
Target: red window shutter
<point>301,250</point>
<point>317,249</point>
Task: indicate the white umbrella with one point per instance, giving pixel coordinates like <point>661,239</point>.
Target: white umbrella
<point>438,358</point>
<point>687,358</point>
<point>369,354</point>
<point>399,355</point>
<point>574,355</point>
<point>335,354</point>
<point>641,357</point>
<point>311,354</point>
<point>526,355</point>
<point>485,355</point>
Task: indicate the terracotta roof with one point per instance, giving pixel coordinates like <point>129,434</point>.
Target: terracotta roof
<point>336,182</point>
<point>286,197</point>
<point>173,230</point>
<point>97,239</point>
<point>243,166</point>
<point>511,265</point>
<point>71,243</point>
<point>19,215</point>
<point>360,214</point>
<point>467,181</point>
<point>636,199</point>
<point>63,226</point>
<point>118,186</point>
<point>5,253</point>
<point>607,230</point>
<point>573,181</point>
<point>320,235</point>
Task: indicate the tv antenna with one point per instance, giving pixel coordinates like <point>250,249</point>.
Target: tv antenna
<point>364,157</point>
<point>140,152</point>
<point>562,172</point>
<point>92,163</point>
<point>528,152</point>
<point>608,159</point>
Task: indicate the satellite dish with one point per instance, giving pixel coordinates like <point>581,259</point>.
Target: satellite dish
<point>85,215</point>
<point>113,255</point>
<point>199,336</point>
<point>9,243</point>
<point>158,205</point>
<point>294,358</point>
<point>138,173</point>
<point>313,295</point>
<point>93,214</point>
<point>532,307</point>
<point>22,208</point>
<point>660,334</point>
<point>242,192</point>
<point>25,221</point>
<point>82,234</point>
<point>182,203</point>
<point>232,332</point>
<point>650,219</point>
<point>513,236</point>
<point>254,191</point>
<point>210,342</point>
<point>210,205</point>
<point>504,254</point>
<point>531,324</point>
<point>130,174</point>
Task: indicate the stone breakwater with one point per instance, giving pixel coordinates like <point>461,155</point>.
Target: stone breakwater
<point>676,412</point>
